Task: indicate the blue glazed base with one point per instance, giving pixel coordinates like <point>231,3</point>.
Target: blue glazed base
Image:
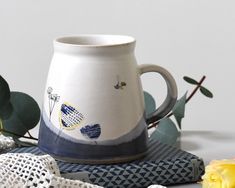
<point>67,150</point>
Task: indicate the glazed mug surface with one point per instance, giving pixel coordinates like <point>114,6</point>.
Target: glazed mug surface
<point>93,109</point>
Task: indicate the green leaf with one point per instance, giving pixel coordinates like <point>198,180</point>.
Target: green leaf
<point>21,143</point>
<point>179,109</point>
<point>24,117</point>
<point>206,92</point>
<point>6,111</point>
<point>166,132</point>
<point>150,104</point>
<point>4,92</point>
<point>190,80</point>
<point>26,108</point>
<point>15,125</point>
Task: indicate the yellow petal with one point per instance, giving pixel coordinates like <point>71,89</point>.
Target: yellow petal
<point>219,174</point>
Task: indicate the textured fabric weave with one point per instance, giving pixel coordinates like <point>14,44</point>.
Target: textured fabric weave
<point>163,165</point>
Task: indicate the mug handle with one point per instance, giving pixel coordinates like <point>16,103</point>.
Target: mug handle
<point>172,93</point>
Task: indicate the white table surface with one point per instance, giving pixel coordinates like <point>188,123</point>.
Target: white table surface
<point>208,145</point>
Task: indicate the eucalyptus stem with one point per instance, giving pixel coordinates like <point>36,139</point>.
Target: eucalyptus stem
<point>196,88</point>
<point>1,126</point>
<point>154,124</point>
<point>29,134</point>
<point>15,134</point>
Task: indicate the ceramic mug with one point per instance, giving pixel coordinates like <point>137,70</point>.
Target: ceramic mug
<point>93,109</point>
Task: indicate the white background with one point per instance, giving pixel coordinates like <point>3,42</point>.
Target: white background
<point>186,37</point>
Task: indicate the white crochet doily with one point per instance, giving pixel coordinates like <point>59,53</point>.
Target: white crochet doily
<point>6,143</point>
<point>25,170</point>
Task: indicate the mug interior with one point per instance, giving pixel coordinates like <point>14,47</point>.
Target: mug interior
<point>96,40</point>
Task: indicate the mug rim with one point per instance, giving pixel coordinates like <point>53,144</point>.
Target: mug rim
<point>95,40</point>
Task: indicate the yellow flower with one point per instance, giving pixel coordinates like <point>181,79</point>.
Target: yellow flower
<point>219,174</point>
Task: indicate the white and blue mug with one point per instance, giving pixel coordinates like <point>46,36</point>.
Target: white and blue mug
<point>93,109</point>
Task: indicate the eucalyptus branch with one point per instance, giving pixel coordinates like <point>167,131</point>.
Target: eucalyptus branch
<point>154,124</point>
<point>196,88</point>
<point>29,134</point>
<point>15,134</point>
<point>1,123</point>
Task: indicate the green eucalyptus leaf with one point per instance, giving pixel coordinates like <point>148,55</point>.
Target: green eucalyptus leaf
<point>206,92</point>
<point>150,104</point>
<point>21,143</point>
<point>4,92</point>
<point>6,111</point>
<point>179,109</point>
<point>190,80</point>
<point>14,125</point>
<point>26,108</point>
<point>166,132</point>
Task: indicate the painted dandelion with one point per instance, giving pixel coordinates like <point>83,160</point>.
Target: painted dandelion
<point>53,99</point>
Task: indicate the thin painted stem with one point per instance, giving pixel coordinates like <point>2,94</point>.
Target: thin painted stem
<point>53,105</point>
<point>49,97</point>
<point>57,136</point>
<point>154,124</point>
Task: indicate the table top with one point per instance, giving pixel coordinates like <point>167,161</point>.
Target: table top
<point>208,145</point>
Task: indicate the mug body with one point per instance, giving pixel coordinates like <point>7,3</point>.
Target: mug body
<point>93,109</point>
